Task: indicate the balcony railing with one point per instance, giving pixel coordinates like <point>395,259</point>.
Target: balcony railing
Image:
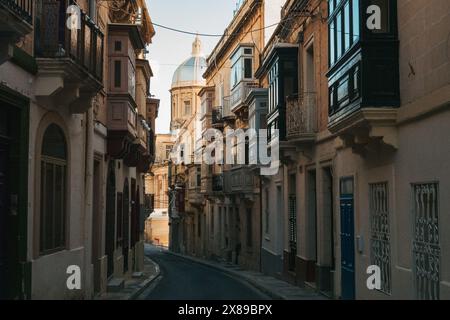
<point>301,116</point>
<point>240,93</point>
<point>54,40</point>
<point>22,8</point>
<point>217,183</point>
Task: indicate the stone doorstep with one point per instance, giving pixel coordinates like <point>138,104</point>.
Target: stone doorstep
<point>116,285</point>
<point>126,289</point>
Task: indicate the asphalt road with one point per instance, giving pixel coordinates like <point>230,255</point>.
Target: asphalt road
<point>183,279</point>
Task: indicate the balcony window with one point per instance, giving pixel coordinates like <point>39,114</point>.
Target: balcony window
<point>117,73</point>
<point>343,28</point>
<point>187,108</point>
<point>359,76</point>
<point>241,65</point>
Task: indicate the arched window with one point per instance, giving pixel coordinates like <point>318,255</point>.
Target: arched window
<point>53,190</point>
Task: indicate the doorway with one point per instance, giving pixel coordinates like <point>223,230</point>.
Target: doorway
<point>110,217</point>
<point>14,269</point>
<point>347,238</point>
<point>312,227</point>
<point>97,226</point>
<point>126,225</point>
<point>5,235</point>
<point>326,284</point>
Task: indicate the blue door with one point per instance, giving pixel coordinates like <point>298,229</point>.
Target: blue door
<point>347,239</point>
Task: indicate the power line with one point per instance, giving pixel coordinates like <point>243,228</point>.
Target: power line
<point>211,34</point>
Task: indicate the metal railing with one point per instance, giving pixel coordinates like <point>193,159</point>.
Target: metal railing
<point>301,114</point>
<point>23,8</point>
<point>240,93</point>
<point>54,40</point>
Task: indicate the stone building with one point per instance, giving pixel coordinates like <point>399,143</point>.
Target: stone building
<point>157,189</point>
<point>298,240</point>
<point>74,131</point>
<point>185,125</point>
<point>389,113</point>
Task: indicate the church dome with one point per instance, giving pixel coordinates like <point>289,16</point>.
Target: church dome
<point>190,72</point>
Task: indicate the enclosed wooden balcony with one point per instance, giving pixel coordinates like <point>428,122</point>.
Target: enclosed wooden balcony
<point>194,194</point>
<point>70,60</point>
<point>240,180</point>
<point>301,117</point>
<point>240,93</point>
<point>16,21</point>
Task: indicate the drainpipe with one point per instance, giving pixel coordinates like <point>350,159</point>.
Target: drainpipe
<point>88,186</point>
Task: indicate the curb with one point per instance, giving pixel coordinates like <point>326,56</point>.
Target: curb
<point>145,284</point>
<point>237,275</point>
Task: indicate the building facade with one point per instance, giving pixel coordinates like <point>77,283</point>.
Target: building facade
<point>355,91</point>
<point>64,95</point>
<point>185,125</point>
<point>157,190</point>
<point>389,177</point>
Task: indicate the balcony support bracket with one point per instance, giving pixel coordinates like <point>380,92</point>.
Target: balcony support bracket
<point>367,128</point>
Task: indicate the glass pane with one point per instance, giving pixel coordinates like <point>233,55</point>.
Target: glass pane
<point>339,35</point>
<point>332,43</point>
<point>356,23</point>
<point>248,66</point>
<point>347,26</point>
<point>49,207</point>
<point>54,143</point>
<point>42,208</point>
<point>59,205</point>
<point>331,6</point>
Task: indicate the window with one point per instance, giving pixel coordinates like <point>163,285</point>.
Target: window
<point>212,221</point>
<point>53,190</point>
<point>117,74</point>
<point>292,205</point>
<point>249,228</point>
<point>426,244</point>
<point>168,150</point>
<point>199,225</point>
<point>187,108</point>
<point>344,27</point>
<point>118,46</point>
<point>380,233</point>
<point>241,65</point>
<point>248,68</point>
<point>199,177</point>
<point>267,212</point>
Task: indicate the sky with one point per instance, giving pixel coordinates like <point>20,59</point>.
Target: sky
<point>169,49</point>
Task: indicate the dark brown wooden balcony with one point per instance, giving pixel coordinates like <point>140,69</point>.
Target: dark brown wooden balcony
<point>16,21</point>
<point>301,117</point>
<point>70,60</point>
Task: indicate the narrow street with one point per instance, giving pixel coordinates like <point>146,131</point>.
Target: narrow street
<point>186,280</point>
